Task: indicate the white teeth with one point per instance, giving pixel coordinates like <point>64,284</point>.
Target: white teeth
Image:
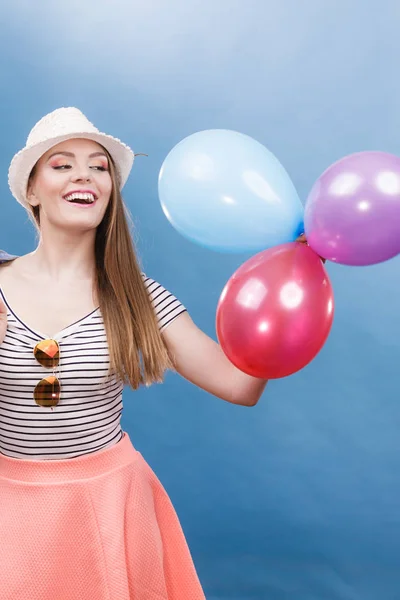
<point>78,196</point>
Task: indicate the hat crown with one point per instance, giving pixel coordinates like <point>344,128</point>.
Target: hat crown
<point>58,126</point>
<point>62,121</point>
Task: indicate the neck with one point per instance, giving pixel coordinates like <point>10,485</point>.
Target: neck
<point>64,256</point>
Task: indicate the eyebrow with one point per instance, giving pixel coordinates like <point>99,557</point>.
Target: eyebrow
<point>71,154</point>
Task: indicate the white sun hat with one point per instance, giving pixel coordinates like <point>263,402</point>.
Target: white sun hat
<point>60,125</point>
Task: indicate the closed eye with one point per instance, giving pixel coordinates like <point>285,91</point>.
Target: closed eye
<point>59,167</point>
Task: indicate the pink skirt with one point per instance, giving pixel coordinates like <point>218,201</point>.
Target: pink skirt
<point>96,527</point>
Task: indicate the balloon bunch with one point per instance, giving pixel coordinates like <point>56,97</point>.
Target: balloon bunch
<point>226,191</point>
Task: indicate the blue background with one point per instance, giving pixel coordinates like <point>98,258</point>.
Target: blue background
<point>296,498</point>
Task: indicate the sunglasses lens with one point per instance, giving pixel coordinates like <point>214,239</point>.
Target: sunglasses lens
<point>47,391</point>
<point>47,353</point>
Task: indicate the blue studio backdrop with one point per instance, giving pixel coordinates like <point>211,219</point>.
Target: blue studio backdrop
<point>298,497</point>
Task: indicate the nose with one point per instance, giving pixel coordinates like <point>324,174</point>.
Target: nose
<point>81,178</point>
<point>83,174</point>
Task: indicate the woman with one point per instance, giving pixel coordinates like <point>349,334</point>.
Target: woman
<point>82,514</point>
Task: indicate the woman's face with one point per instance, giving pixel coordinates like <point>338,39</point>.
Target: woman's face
<point>79,167</point>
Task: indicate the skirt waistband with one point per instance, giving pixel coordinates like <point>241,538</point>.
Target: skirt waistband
<point>80,467</point>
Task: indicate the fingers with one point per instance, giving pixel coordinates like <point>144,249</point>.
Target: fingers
<point>3,307</point>
<point>302,238</point>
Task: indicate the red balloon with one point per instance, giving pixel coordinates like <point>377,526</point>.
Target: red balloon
<point>276,311</point>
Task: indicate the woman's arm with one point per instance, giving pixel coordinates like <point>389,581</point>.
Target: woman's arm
<point>200,360</point>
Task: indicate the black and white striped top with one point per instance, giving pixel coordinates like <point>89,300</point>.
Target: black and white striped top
<point>87,418</point>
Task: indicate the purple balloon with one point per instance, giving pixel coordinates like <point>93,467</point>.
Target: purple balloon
<point>352,214</point>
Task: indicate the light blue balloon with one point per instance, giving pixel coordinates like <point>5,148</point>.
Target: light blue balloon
<point>225,191</point>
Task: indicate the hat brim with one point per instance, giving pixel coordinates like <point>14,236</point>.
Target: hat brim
<point>24,161</point>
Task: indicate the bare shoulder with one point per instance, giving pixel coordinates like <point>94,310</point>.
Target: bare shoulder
<point>16,277</point>
<point>12,267</point>
<point>4,256</point>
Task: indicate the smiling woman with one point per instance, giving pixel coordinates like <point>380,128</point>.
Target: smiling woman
<point>78,321</point>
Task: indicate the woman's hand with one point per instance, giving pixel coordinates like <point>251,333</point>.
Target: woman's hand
<point>303,240</point>
<point>3,320</point>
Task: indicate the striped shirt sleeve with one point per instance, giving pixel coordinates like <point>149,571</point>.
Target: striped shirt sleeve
<point>166,306</point>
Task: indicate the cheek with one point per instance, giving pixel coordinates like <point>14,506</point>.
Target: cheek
<point>106,185</point>
<point>47,184</point>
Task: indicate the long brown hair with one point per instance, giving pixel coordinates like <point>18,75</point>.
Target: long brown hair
<point>138,354</point>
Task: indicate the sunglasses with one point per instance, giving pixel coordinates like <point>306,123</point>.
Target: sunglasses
<point>48,390</point>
